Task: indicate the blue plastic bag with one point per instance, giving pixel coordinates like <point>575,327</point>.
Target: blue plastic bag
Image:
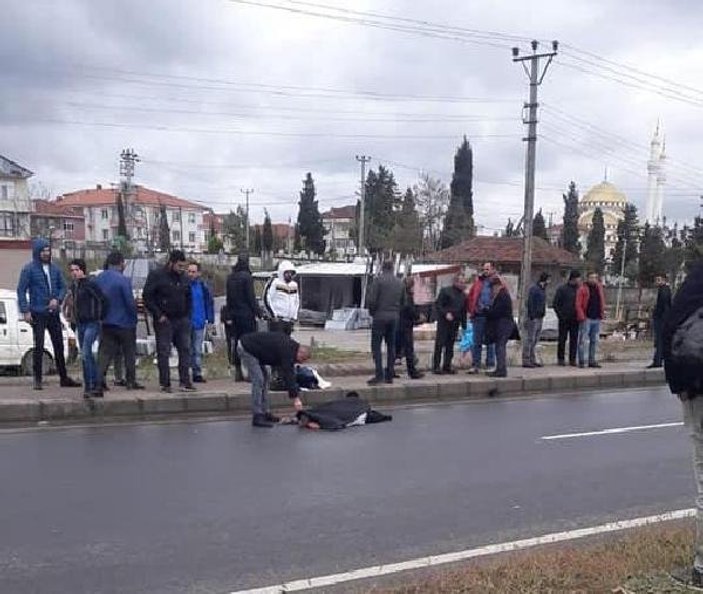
<point>466,342</point>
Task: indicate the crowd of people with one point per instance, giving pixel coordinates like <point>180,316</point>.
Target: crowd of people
<point>103,309</point>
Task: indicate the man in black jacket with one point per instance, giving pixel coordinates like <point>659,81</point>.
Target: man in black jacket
<point>242,306</point>
<point>383,303</point>
<point>451,313</point>
<point>408,317</point>
<point>661,308</point>
<point>258,350</point>
<point>88,305</point>
<point>564,305</point>
<point>167,296</point>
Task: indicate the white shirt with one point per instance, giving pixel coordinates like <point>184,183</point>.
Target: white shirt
<point>47,274</point>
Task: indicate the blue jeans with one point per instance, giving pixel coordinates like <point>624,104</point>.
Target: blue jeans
<point>87,335</point>
<point>479,323</point>
<point>588,330</point>
<point>197,336</point>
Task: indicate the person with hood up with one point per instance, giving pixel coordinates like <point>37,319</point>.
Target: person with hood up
<point>500,324</point>
<point>282,300</point>
<point>682,345</point>
<point>40,291</point>
<point>168,297</point>
<point>242,307</point>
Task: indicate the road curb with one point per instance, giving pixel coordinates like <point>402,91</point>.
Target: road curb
<point>18,411</point>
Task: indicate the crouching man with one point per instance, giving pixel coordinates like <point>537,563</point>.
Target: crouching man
<point>258,350</point>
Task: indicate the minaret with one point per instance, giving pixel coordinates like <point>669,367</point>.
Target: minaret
<point>653,173</point>
<point>661,179</point>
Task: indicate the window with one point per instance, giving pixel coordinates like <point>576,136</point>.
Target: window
<point>68,229</point>
<point>176,235</point>
<point>3,313</point>
<point>7,224</point>
<point>104,215</point>
<point>191,218</point>
<point>106,234</point>
<point>4,194</point>
<point>191,237</point>
<point>176,216</point>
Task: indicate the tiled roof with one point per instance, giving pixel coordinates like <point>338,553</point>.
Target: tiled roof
<point>45,207</point>
<point>11,169</point>
<point>340,212</point>
<point>280,230</point>
<point>506,250</point>
<point>144,196</point>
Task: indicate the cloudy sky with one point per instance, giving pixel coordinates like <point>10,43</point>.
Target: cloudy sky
<point>218,95</point>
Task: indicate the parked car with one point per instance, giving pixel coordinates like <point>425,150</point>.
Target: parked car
<point>17,341</point>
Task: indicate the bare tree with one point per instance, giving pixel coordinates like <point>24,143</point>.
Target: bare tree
<point>432,200</point>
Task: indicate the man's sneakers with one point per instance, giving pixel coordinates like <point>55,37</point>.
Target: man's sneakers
<point>134,386</point>
<point>474,371</point>
<point>594,365</point>
<point>375,381</point>
<point>529,365</point>
<point>188,387</point>
<point>199,379</point>
<point>414,375</point>
<point>92,394</point>
<point>67,382</point>
<point>38,385</point>
<point>653,366</point>
<point>271,418</point>
<point>261,421</point>
<point>166,389</point>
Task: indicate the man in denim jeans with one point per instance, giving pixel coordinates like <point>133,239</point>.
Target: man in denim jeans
<point>590,310</point>
<point>478,303</point>
<point>203,313</point>
<point>89,307</point>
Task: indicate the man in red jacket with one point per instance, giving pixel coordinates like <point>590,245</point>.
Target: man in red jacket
<point>590,310</point>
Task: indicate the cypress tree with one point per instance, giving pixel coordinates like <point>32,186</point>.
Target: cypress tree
<point>310,228</point>
<point>595,252</point>
<point>570,232</point>
<point>539,227</point>
<point>459,222</point>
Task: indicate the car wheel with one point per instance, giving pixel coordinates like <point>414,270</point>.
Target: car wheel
<point>27,365</point>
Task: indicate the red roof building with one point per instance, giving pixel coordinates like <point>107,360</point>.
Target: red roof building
<point>58,221</point>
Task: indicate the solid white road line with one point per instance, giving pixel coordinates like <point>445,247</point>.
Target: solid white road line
<point>611,431</point>
<point>434,560</point>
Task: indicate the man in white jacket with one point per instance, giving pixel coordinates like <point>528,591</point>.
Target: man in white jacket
<point>282,299</point>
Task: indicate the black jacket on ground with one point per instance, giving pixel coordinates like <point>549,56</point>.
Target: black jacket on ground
<point>564,303</point>
<point>683,375</point>
<point>451,300</point>
<point>384,296</point>
<point>89,302</point>
<point>276,349</point>
<point>663,304</point>
<point>167,293</point>
<point>241,299</point>
<point>338,414</point>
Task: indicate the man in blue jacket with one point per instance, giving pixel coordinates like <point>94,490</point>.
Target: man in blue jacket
<point>536,310</point>
<point>119,331</point>
<point>203,313</point>
<point>40,291</point>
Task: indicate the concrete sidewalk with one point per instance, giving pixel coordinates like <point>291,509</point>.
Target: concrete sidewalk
<point>19,404</point>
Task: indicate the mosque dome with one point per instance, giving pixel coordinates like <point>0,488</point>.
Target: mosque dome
<point>603,194</point>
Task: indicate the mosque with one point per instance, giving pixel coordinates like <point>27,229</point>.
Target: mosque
<point>612,201</point>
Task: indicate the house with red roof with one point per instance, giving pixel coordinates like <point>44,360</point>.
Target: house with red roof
<point>59,222</point>
<point>144,209</point>
<point>339,223</point>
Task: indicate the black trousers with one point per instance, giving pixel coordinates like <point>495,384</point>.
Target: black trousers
<point>446,337</point>
<point>117,343</point>
<point>241,326</point>
<point>383,330</point>
<point>408,344</point>
<point>281,326</point>
<point>174,332</point>
<point>41,322</point>
<point>229,338</point>
<point>570,329</point>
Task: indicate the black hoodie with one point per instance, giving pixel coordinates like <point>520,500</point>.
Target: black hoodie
<point>683,375</point>
<point>241,299</point>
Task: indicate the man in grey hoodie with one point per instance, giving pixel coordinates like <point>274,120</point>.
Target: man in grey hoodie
<point>383,303</point>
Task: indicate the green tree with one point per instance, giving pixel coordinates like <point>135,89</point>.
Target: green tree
<point>539,226</point>
<point>310,227</point>
<point>570,232</point>
<point>652,259</point>
<point>164,231</point>
<point>234,227</point>
<point>595,252</point>
<point>675,254</point>
<point>267,234</point>
<point>510,230</point>
<point>121,218</point>
<point>628,229</point>
<point>407,233</point>
<point>380,209</point>
<point>694,243</point>
<point>258,243</point>
<point>459,222</point>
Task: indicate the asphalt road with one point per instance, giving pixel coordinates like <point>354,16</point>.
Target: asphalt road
<point>221,506</point>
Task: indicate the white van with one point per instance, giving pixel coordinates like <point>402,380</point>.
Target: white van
<point>17,342</point>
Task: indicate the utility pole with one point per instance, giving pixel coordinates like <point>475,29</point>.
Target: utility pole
<point>247,192</point>
<point>536,78</point>
<point>125,199</point>
<point>363,159</point>
<point>622,275</point>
